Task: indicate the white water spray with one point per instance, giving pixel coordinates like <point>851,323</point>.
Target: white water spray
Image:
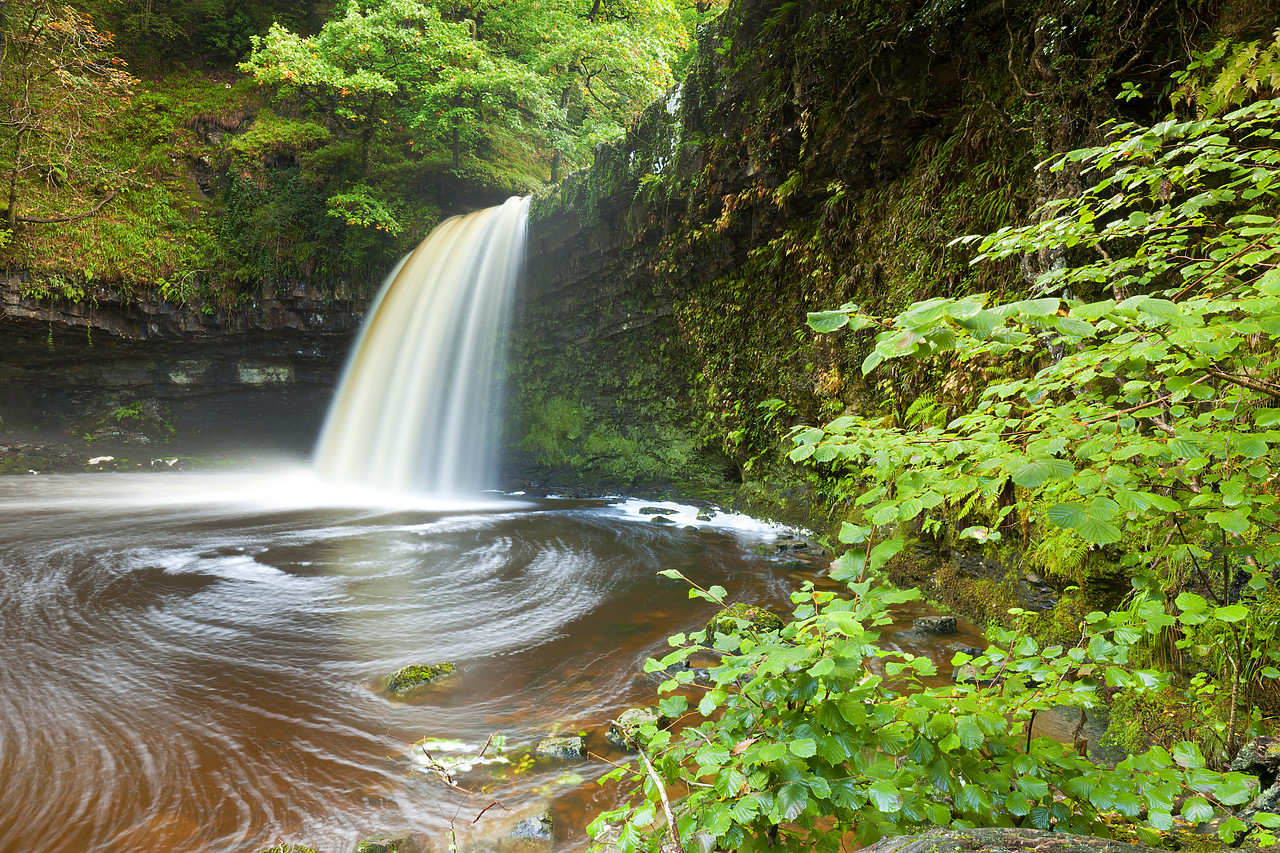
<point>419,405</point>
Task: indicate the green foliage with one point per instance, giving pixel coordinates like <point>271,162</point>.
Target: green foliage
<point>1150,421</point>
<point>813,731</point>
<point>271,134</point>
<point>60,82</point>
<point>361,207</point>
<point>473,78</point>
<point>1229,75</point>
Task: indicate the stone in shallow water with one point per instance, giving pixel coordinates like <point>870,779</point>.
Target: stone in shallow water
<point>624,730</point>
<point>657,510</point>
<point>413,678</point>
<point>403,842</point>
<point>560,746</point>
<point>537,827</point>
<point>288,848</point>
<point>935,624</point>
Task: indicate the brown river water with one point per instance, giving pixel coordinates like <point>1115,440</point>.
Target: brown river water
<point>191,661</point>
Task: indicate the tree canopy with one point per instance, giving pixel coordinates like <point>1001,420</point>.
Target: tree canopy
<point>554,78</point>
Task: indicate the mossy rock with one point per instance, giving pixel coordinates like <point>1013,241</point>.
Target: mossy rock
<point>414,677</point>
<point>624,732</point>
<point>727,621</point>
<point>288,848</point>
<point>401,843</point>
<point>560,747</point>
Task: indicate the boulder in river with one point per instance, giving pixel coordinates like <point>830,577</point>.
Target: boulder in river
<point>935,624</point>
<point>538,827</point>
<point>728,621</point>
<point>412,678</point>
<point>403,842</point>
<point>560,746</point>
<point>624,730</point>
<point>1260,757</point>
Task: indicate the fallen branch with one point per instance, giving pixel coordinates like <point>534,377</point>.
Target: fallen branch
<point>45,221</point>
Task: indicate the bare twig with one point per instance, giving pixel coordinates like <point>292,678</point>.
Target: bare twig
<point>672,833</point>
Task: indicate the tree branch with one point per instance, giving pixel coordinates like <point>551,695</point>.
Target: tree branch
<point>84,215</point>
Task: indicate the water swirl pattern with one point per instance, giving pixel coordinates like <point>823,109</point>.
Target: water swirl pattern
<point>192,660</point>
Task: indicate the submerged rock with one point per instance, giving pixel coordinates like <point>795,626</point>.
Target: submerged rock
<point>964,648</point>
<point>538,828</point>
<point>624,730</point>
<point>288,848</point>
<point>560,746</point>
<point>756,619</point>
<point>935,624</point>
<point>412,678</point>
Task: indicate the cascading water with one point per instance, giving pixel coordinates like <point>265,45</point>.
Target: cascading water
<point>419,405</point>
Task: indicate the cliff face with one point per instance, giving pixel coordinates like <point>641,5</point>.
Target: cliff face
<point>821,153</point>
<point>292,308</point>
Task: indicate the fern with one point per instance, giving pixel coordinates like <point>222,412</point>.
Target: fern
<point>1230,75</point>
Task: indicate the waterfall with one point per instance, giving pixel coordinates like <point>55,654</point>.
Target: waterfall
<point>419,405</point>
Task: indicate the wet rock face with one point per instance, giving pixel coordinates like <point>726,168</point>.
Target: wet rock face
<point>624,731</point>
<point>537,828</point>
<point>1260,757</point>
<point>935,624</point>
<point>89,394</point>
<point>298,307</point>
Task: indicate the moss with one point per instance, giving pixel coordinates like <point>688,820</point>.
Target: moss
<point>270,134</point>
<point>731,621</point>
<point>982,600</point>
<point>287,848</point>
<point>413,678</point>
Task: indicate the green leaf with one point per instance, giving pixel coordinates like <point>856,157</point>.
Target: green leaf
<point>1017,804</point>
<point>1187,754</point>
<point>1231,613</point>
<point>886,796</point>
<point>1098,531</point>
<point>1045,307</point>
<point>1068,515</point>
<point>1160,309</point>
<point>1039,471</point>
<point>1072,327</point>
<point>1197,810</point>
<point>803,748</point>
<point>1232,522</point>
<point>791,800</point>
<point>827,321</point>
